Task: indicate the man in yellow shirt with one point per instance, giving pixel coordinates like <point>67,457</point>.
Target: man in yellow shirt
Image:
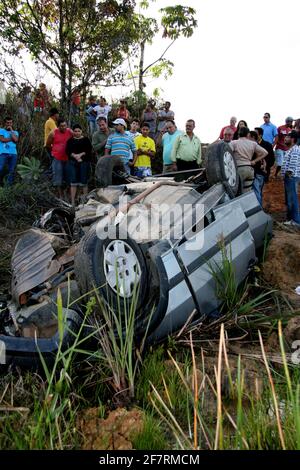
<point>50,124</point>
<point>145,151</point>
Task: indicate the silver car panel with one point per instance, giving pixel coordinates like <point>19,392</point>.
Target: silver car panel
<point>260,223</point>
<point>192,286</point>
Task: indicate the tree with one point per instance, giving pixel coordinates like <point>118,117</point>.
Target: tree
<point>80,42</point>
<point>176,21</point>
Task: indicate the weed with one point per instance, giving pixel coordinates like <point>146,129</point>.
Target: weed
<point>152,437</point>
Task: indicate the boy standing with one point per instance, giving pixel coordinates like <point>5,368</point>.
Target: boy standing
<point>145,151</point>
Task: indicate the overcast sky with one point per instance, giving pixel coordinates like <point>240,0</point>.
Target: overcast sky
<point>242,60</point>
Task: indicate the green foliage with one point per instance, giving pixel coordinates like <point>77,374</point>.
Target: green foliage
<point>22,203</point>
<point>81,43</point>
<point>178,21</point>
<point>163,68</point>
<point>151,371</point>
<point>30,170</point>
<point>261,412</point>
<point>152,437</point>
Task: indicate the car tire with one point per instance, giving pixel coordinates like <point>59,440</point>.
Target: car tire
<point>221,168</point>
<point>104,169</point>
<point>95,266</point>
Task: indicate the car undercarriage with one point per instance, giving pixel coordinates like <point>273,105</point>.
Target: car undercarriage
<point>152,242</point>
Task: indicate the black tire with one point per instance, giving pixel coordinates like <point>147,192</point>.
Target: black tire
<point>90,271</point>
<point>105,168</point>
<point>215,168</point>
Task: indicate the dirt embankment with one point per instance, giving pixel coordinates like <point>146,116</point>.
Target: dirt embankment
<point>274,199</point>
<point>282,266</point>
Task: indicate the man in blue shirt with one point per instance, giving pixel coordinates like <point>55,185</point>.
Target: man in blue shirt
<point>119,144</point>
<point>167,141</point>
<point>8,149</point>
<point>270,130</point>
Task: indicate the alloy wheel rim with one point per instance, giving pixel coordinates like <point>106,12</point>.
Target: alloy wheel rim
<point>122,268</point>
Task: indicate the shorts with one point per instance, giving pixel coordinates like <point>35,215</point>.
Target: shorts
<point>279,155</point>
<point>79,173</point>
<point>59,172</point>
<point>142,171</point>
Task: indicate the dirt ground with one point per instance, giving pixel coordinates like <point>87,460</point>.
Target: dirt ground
<point>282,266</point>
<point>274,199</point>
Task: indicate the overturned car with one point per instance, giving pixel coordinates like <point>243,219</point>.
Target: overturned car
<point>151,241</point>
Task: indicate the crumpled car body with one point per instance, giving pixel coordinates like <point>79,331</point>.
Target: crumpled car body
<point>154,242</point>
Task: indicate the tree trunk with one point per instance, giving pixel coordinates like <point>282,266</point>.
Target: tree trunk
<point>63,76</point>
<point>141,67</point>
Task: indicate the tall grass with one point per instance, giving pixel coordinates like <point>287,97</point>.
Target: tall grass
<point>121,352</point>
<point>246,419</point>
<point>51,420</point>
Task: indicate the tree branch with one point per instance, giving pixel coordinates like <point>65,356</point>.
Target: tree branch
<point>160,58</point>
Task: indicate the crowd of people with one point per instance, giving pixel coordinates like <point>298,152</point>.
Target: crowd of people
<point>258,150</point>
<point>137,143</point>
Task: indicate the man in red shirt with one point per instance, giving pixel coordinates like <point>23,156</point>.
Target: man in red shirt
<point>281,148</point>
<point>57,143</point>
<point>232,126</point>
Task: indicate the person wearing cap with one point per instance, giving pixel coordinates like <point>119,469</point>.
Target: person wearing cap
<point>281,148</point>
<point>119,144</point>
<point>291,173</point>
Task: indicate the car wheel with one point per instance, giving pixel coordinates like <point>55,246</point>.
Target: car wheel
<point>104,169</point>
<point>115,266</point>
<point>221,168</point>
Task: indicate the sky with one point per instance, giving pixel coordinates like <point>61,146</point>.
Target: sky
<point>242,60</point>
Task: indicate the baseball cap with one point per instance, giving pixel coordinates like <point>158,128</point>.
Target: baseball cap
<point>289,119</point>
<point>120,121</point>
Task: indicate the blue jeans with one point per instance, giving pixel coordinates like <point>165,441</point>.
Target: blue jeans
<point>291,194</point>
<point>92,127</point>
<point>59,172</point>
<point>258,184</point>
<point>11,161</point>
